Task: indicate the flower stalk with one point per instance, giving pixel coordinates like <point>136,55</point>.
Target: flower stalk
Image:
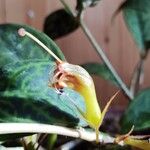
<point>10,128</point>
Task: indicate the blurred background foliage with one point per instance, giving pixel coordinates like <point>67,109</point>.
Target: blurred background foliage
<point>62,22</point>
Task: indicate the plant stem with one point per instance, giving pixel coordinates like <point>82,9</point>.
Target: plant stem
<point>105,59</point>
<point>137,77</point>
<point>100,52</point>
<point>67,8</point>
<point>10,128</point>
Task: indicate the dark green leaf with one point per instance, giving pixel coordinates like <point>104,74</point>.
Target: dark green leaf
<point>6,137</point>
<point>137,17</point>
<point>13,48</point>
<point>25,72</point>
<point>138,113</point>
<point>60,23</point>
<point>28,98</point>
<point>100,70</point>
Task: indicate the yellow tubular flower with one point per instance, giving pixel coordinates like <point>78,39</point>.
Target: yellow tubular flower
<point>78,79</point>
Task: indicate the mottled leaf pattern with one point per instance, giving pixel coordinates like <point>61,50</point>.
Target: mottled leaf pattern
<point>25,72</point>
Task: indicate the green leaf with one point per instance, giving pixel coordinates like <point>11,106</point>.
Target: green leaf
<point>138,113</point>
<point>25,72</point>
<point>100,70</point>
<point>49,141</point>
<point>6,137</point>
<point>82,4</point>
<point>60,23</point>
<point>137,17</point>
<point>13,48</point>
<point>28,98</point>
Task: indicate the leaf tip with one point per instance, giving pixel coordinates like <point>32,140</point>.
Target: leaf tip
<point>123,137</point>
